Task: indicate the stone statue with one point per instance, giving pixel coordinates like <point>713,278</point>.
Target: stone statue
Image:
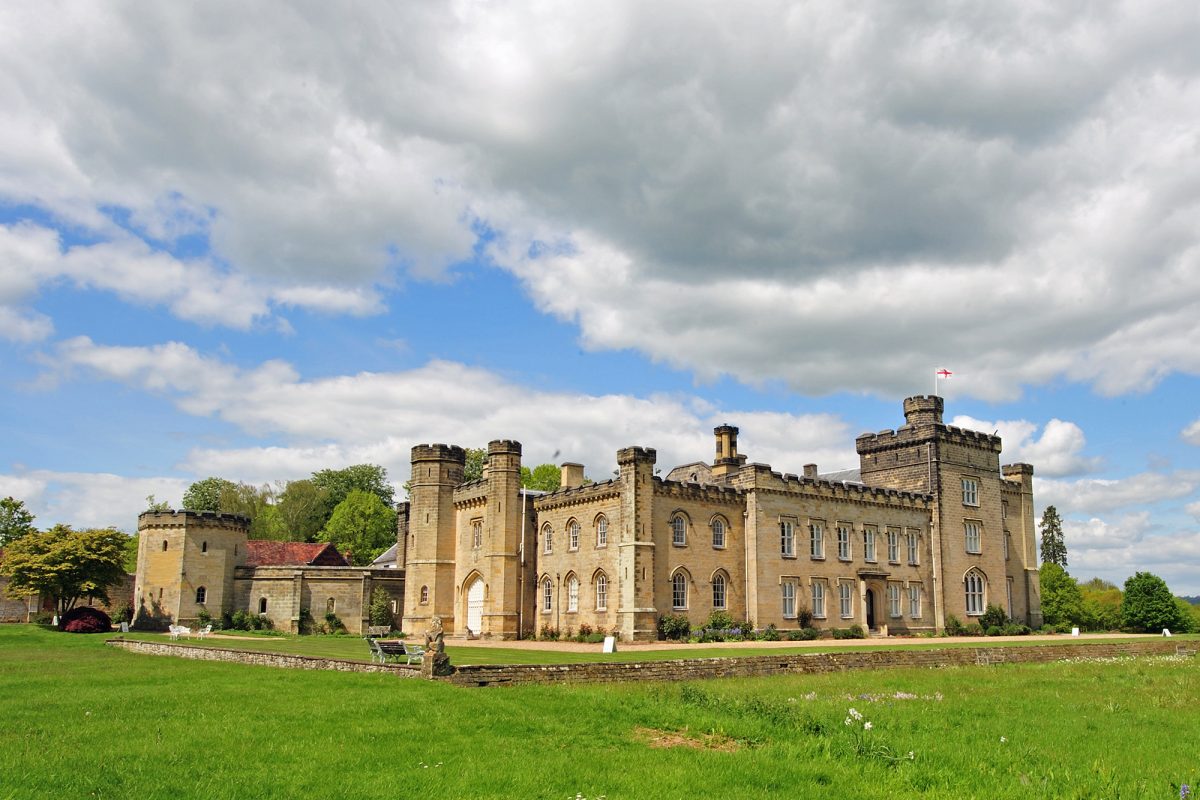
<point>435,636</point>
<point>435,663</point>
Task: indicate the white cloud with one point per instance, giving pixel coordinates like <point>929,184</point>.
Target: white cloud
<point>1114,550</point>
<point>1094,495</point>
<point>1056,453</point>
<point>838,196</point>
<point>1191,434</point>
<point>88,499</point>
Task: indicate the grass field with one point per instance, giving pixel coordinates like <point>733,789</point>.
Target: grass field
<point>79,720</point>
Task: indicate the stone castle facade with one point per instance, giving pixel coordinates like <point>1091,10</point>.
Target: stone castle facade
<point>930,525</point>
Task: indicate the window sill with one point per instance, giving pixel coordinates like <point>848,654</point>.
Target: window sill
<point>845,558</point>
<point>788,555</point>
<point>817,558</point>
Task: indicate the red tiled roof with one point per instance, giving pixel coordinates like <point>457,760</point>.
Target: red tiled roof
<point>267,553</point>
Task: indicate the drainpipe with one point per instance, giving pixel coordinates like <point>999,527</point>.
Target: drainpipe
<point>521,571</point>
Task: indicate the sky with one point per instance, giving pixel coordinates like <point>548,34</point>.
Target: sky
<point>256,240</point>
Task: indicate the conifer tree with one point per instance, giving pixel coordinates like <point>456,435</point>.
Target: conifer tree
<point>1054,549</point>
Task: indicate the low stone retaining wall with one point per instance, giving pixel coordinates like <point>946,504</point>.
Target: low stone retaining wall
<point>682,669</point>
<point>797,663</point>
<point>261,658</point>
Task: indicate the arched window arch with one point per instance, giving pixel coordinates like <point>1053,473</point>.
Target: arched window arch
<point>601,592</point>
<point>330,606</point>
<point>572,593</point>
<point>547,595</point>
<point>679,530</point>
<point>164,545</point>
<point>573,534</point>
<point>720,594</point>
<point>975,588</point>
<point>601,531</point>
<point>718,531</point>
<point>262,605</point>
<point>201,595</point>
<point>204,547</point>
<point>424,595</point>
<point>679,590</point>
<point>477,533</point>
<point>547,538</point>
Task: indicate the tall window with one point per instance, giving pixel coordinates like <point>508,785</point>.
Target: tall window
<point>718,591</point>
<point>974,544</point>
<point>477,533</point>
<point>789,599</point>
<point>547,595</point>
<point>601,592</point>
<point>424,595</point>
<point>816,539</point>
<point>201,595</point>
<point>548,538</point>
<point>678,530</point>
<point>975,584</point>
<point>869,544</point>
<point>787,538</point>
<point>846,600</point>
<point>818,599</point>
<point>602,531</point>
<point>843,534</point>
<point>718,531</point>
<point>204,547</point>
<point>262,605</point>
<point>1008,597</point>
<point>893,539</point>
<point>912,547</point>
<point>572,593</point>
<point>970,488</point>
<point>573,535</point>
<point>679,591</point>
<point>914,601</point>
<point>1007,536</point>
<point>893,599</point>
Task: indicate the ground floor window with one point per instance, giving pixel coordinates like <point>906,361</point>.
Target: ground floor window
<point>602,593</point>
<point>975,584</point>
<point>818,600</point>
<point>846,600</point>
<point>547,595</point>
<point>893,591</point>
<point>262,605</point>
<point>914,602</point>
<point>719,591</point>
<point>573,594</point>
<point>789,600</point>
<point>679,591</point>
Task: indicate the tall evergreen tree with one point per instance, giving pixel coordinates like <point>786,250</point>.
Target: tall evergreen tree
<point>1054,549</point>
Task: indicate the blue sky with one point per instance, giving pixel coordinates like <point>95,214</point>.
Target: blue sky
<point>255,242</point>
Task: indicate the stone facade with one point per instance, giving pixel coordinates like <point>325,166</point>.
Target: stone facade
<point>932,526</point>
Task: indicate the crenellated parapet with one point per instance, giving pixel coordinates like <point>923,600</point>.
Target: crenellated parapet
<point>438,452</point>
<point>181,518</point>
<point>700,492</point>
<point>767,480</point>
<point>578,495</point>
<point>869,443</point>
<point>636,455</point>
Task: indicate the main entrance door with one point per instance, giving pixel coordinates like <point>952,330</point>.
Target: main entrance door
<point>475,606</point>
<point>870,610</point>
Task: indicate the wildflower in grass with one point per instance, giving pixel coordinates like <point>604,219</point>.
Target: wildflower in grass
<point>867,725</point>
<point>855,715</point>
<point>1185,792</point>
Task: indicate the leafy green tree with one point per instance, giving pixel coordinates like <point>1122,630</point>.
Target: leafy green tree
<point>205,495</point>
<point>476,461</point>
<point>1062,602</point>
<point>15,520</point>
<point>543,477</point>
<point>66,565</point>
<point>363,525</point>
<point>131,553</point>
<point>380,610</point>
<point>1101,605</point>
<point>156,505</point>
<point>1054,549</point>
<point>1187,619</point>
<point>338,483</point>
<point>302,511</point>
<point>1148,605</point>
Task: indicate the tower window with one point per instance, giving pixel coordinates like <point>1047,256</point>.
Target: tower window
<point>262,605</point>
<point>204,547</point>
<point>201,595</point>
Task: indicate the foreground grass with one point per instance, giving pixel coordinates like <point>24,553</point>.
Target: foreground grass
<point>78,719</point>
<point>353,648</point>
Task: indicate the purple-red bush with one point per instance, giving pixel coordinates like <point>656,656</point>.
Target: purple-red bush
<point>86,619</point>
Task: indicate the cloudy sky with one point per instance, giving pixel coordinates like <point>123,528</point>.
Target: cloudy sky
<point>254,240</point>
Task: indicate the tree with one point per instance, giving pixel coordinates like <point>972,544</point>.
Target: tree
<point>66,565</point>
<point>338,483</point>
<point>1054,549</point>
<point>1101,605</point>
<point>380,610</point>
<point>301,510</point>
<point>476,461</point>
<point>543,477</point>
<point>15,520</point>
<point>1062,602</point>
<point>363,525</point>
<point>1148,605</point>
<point>156,505</point>
<point>205,495</point>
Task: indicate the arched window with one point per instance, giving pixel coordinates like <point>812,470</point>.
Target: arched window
<point>572,593</point>
<point>477,533</point>
<point>204,547</point>
<point>262,605</point>
<point>718,532</point>
<point>548,539</point>
<point>547,595</point>
<point>975,585</point>
<point>573,535</point>
<point>164,545</point>
<point>330,605</point>
<point>424,595</point>
<point>601,531</point>
<point>679,591</point>
<point>201,595</point>
<point>678,530</point>
<point>718,591</point>
<point>601,592</point>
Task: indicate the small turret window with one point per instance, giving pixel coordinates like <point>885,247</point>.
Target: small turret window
<point>164,545</point>
<point>201,595</point>
<point>262,605</point>
<point>204,547</point>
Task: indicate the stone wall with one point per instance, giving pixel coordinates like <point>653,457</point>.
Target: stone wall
<point>262,659</point>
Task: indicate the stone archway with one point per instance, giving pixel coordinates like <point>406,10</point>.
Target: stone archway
<point>474,596</point>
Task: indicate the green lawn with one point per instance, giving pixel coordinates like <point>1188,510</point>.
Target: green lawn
<point>81,720</point>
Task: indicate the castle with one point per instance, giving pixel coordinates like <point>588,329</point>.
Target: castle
<point>929,526</point>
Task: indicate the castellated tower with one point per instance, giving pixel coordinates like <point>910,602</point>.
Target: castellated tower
<point>186,561</point>
<point>429,558</point>
<point>636,614</point>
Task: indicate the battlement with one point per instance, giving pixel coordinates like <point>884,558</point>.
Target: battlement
<point>911,435</point>
<point>439,452</point>
<point>576,495</point>
<point>630,455</point>
<point>181,517</point>
<point>697,491</point>
<point>923,409</point>
<point>498,447</point>
<point>764,478</point>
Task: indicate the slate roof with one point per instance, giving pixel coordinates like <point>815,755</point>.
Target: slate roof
<point>267,553</point>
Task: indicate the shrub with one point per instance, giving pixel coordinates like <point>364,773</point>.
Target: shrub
<point>993,630</point>
<point>306,623</point>
<point>853,632</point>
<point>548,633</point>
<point>1148,604</point>
<point>674,627</point>
<point>804,617</point>
<point>954,626</point>
<point>379,612</point>
<point>1012,628</point>
<point>241,621</point>
<point>594,638</point>
<point>43,618</point>
<point>719,621</point>
<point>333,624</point>
<point>993,617</point>
<point>124,614</point>
<point>86,619</point>
<point>974,629</point>
<point>804,635</point>
<point>202,617</point>
<point>585,630</point>
<point>771,634</point>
